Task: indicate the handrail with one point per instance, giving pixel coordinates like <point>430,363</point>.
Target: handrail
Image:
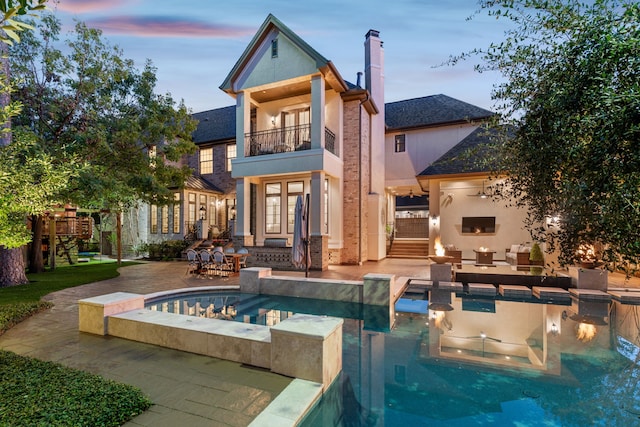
<point>282,140</point>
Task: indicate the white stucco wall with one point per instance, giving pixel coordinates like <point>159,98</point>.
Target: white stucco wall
<point>456,203</point>
<point>422,147</point>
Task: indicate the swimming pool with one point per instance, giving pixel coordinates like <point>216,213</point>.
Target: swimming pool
<point>454,360</point>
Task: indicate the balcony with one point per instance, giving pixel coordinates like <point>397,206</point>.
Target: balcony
<point>282,140</point>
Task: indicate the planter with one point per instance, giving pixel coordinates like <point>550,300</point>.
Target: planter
<point>588,264</point>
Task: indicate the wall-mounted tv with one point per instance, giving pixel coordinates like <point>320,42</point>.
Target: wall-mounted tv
<point>478,224</point>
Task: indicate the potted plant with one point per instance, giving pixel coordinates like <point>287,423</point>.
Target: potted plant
<point>536,258</point>
<point>587,256</point>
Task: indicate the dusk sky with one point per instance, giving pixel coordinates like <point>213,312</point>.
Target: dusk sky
<point>195,44</point>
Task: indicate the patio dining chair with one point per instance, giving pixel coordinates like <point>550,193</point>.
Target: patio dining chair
<point>206,264</point>
<point>223,264</point>
<point>243,260</point>
<point>193,262</point>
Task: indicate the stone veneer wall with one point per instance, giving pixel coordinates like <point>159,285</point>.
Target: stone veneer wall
<point>319,251</point>
<point>280,258</point>
<point>355,154</point>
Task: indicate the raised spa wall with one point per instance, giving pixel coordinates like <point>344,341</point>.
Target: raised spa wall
<point>304,346</point>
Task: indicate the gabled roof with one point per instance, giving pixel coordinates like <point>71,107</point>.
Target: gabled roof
<point>435,110</point>
<point>199,183</point>
<point>215,125</point>
<point>322,63</point>
<point>469,156</point>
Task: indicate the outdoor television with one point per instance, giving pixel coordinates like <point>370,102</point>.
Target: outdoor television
<point>478,224</point>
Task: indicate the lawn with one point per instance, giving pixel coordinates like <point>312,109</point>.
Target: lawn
<point>35,392</point>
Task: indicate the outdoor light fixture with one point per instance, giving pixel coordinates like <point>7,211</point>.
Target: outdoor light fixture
<point>554,328</point>
<point>434,220</point>
<point>232,212</point>
<point>273,120</point>
<point>203,212</point>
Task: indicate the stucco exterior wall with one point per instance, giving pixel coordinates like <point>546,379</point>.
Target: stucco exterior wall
<point>456,203</point>
<point>422,147</point>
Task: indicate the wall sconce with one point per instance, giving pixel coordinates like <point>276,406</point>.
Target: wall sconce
<point>232,213</point>
<point>434,220</point>
<point>203,212</point>
<point>273,120</point>
<point>554,329</point>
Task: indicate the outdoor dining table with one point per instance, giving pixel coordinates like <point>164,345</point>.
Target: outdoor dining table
<point>236,260</point>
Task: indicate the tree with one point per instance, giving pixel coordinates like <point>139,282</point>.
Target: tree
<point>11,260</point>
<point>91,104</point>
<point>572,90</point>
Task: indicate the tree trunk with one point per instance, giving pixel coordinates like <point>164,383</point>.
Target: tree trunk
<point>12,267</point>
<point>36,262</point>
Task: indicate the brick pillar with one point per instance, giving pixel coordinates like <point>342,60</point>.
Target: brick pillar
<point>319,250</point>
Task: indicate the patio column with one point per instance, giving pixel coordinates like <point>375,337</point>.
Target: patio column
<point>317,112</point>
<point>316,210</point>
<point>434,211</point>
<point>242,234</point>
<point>319,240</point>
<point>243,118</point>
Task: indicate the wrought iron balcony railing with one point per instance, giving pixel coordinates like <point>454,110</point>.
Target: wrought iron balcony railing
<point>281,140</point>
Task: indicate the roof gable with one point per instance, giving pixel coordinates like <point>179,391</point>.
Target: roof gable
<point>434,110</point>
<point>295,58</point>
<point>472,155</point>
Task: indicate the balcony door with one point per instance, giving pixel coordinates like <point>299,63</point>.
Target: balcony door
<point>295,125</point>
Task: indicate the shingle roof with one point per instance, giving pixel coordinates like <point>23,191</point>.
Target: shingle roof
<point>471,155</point>
<point>215,125</point>
<point>199,183</point>
<point>220,124</point>
<point>430,111</point>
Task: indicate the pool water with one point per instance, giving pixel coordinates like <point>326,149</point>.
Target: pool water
<point>452,360</point>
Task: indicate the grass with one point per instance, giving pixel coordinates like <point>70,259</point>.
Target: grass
<point>63,277</point>
<point>35,392</point>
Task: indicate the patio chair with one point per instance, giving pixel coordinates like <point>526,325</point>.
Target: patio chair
<point>206,264</point>
<point>193,262</point>
<point>243,260</point>
<point>223,264</point>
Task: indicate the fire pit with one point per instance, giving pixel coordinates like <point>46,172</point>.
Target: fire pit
<point>440,259</point>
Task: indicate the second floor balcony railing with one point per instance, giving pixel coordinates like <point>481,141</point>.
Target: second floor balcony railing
<point>281,140</point>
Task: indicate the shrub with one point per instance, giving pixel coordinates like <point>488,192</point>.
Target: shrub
<point>169,249</point>
<point>12,314</point>
<point>35,392</point>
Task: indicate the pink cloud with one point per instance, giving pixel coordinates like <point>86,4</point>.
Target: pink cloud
<point>166,27</point>
<point>83,6</point>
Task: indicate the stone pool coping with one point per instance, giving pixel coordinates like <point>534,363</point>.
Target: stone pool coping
<point>305,347</point>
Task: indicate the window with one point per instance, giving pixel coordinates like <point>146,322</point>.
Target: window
<point>272,206</point>
<point>231,154</point>
<point>176,213</point>
<point>274,48</point>
<point>192,208</point>
<point>294,189</point>
<point>165,219</point>
<point>400,147</point>
<point>202,209</point>
<point>206,160</point>
<point>213,213</point>
<point>154,219</point>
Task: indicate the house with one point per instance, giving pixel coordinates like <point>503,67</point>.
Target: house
<point>299,128</point>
